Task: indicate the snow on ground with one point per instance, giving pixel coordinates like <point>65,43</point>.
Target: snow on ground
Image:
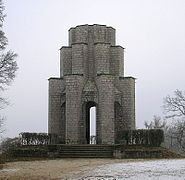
<point>96,169</point>
<point>154,169</point>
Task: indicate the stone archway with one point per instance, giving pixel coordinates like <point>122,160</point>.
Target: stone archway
<point>88,106</point>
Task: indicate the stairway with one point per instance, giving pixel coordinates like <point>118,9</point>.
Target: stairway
<point>85,151</point>
<point>93,151</point>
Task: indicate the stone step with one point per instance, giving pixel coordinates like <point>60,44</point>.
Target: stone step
<point>85,149</point>
<point>96,151</point>
<point>83,156</point>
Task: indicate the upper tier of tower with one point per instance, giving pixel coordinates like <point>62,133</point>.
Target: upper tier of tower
<point>92,34</point>
<point>92,52</point>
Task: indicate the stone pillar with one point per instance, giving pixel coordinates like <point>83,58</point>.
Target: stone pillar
<point>65,61</point>
<point>117,61</point>
<point>74,85</point>
<point>79,58</point>
<point>55,121</point>
<point>105,109</point>
<point>102,58</point>
<point>127,85</point>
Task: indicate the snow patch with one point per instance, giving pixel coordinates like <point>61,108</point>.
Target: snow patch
<point>154,169</point>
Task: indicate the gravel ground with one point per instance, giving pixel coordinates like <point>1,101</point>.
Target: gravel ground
<point>95,169</point>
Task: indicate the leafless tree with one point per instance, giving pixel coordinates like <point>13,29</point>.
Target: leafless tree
<point>8,64</point>
<point>175,106</point>
<point>156,123</point>
<point>180,130</point>
<point>176,135</point>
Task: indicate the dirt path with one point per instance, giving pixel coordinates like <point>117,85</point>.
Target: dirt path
<point>51,169</point>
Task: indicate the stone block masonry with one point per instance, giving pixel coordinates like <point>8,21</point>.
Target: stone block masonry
<point>91,74</point>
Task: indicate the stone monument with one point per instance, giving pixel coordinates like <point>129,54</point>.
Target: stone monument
<point>91,74</point>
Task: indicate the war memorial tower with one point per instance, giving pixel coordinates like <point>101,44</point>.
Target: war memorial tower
<point>91,74</point>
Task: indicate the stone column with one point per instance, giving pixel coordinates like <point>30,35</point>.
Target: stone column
<point>105,126</point>
<point>74,85</point>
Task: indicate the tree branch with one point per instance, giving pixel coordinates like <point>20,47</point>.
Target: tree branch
<point>175,106</point>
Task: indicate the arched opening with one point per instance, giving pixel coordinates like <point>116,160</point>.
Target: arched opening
<point>91,122</point>
<point>93,125</point>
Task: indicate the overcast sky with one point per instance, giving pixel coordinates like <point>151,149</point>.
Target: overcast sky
<point>152,31</point>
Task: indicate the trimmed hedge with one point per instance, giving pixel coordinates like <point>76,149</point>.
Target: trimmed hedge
<point>27,138</point>
<point>151,137</point>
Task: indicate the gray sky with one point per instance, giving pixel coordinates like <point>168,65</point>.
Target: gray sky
<point>152,31</point>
